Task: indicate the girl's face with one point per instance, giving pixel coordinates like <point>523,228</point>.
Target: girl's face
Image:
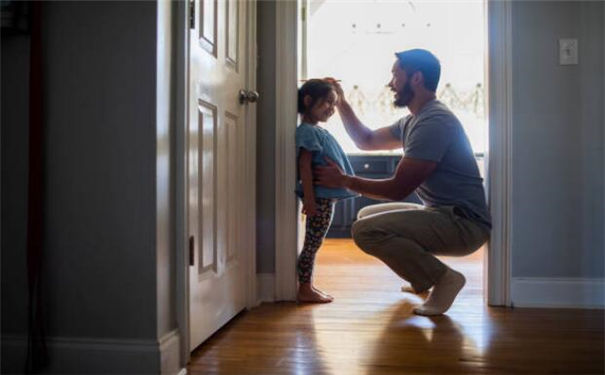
<point>323,109</point>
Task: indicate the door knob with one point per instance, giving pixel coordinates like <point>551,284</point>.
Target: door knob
<point>248,96</point>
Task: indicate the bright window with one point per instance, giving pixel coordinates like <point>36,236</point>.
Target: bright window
<point>355,41</point>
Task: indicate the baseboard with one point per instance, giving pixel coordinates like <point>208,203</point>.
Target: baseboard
<point>558,292</point>
<point>95,356</point>
<point>170,353</point>
<point>266,287</point>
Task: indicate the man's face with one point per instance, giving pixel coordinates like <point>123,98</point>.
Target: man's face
<point>400,84</point>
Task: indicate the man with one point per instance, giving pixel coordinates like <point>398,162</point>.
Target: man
<point>438,164</point>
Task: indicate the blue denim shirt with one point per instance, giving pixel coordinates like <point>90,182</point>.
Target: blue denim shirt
<point>321,143</point>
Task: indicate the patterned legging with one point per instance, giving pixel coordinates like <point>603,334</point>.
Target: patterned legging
<point>316,229</point>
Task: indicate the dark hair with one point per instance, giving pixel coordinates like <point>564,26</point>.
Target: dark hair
<point>414,60</point>
<point>316,89</point>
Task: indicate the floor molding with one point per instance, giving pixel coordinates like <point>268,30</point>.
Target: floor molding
<point>98,355</point>
<point>170,351</point>
<point>558,292</point>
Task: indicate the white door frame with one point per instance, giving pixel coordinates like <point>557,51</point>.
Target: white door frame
<point>286,117</point>
<point>499,157</point>
<point>180,155</point>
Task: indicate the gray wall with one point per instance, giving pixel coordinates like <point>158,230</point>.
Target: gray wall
<point>15,117</point>
<point>100,172</point>
<point>558,129</point>
<point>108,266</point>
<point>265,236</point>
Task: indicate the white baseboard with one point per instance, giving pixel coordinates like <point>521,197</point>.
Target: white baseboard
<point>266,287</point>
<point>558,292</point>
<point>78,355</point>
<point>170,352</point>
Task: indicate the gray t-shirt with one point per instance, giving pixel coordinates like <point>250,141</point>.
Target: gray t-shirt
<point>435,134</point>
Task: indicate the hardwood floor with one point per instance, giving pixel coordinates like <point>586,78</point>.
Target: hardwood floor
<point>370,329</point>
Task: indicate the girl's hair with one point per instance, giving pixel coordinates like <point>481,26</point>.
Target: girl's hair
<point>316,89</point>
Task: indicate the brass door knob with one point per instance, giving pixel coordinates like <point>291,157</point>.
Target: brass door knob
<point>248,96</point>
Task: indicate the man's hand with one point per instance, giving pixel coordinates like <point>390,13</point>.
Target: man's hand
<point>329,175</point>
<point>337,88</point>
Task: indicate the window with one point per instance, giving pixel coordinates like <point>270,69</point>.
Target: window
<point>355,41</point>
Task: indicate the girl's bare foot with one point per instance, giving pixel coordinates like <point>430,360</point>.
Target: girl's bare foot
<point>306,293</point>
<point>321,292</point>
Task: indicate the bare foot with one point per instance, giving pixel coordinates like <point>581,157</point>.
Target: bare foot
<point>408,289</point>
<point>443,294</point>
<point>322,292</point>
<point>306,293</point>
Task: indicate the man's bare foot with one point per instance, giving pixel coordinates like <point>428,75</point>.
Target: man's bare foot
<point>443,294</point>
<point>306,293</point>
<point>408,289</point>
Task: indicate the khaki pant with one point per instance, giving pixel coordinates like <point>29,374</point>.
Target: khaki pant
<point>407,237</point>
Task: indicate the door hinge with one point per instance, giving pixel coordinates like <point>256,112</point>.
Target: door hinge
<point>192,14</point>
<point>191,250</point>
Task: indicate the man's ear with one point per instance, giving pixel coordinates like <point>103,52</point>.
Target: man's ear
<point>417,79</point>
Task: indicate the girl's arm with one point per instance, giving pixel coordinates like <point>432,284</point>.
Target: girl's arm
<point>306,175</point>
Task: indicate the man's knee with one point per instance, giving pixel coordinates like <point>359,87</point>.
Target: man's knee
<point>365,236</point>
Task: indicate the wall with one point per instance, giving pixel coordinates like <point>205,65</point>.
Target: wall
<point>266,125</point>
<point>557,141</point>
<point>108,271</point>
<point>558,246</point>
<point>15,122</point>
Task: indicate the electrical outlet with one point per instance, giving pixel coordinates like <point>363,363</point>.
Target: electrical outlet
<point>568,51</point>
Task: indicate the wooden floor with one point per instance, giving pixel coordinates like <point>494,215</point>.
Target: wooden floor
<point>369,329</point>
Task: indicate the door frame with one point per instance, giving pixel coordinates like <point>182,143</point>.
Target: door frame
<point>180,164</point>
<point>499,155</point>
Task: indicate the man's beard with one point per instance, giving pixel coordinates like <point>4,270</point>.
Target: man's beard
<point>405,96</point>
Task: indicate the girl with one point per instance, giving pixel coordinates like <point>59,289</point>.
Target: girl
<point>316,101</point>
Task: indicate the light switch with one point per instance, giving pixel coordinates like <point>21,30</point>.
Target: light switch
<point>568,51</point>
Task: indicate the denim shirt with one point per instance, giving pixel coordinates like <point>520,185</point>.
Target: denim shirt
<point>322,144</point>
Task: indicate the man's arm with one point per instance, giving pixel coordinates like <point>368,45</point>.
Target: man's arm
<point>409,175</point>
<point>364,137</point>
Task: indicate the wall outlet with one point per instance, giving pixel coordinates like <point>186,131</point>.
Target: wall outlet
<point>568,51</point>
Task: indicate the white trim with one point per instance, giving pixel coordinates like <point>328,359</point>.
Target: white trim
<point>81,354</point>
<point>558,292</point>
<point>180,179</point>
<point>500,176</point>
<point>169,347</point>
<point>266,287</point>
<point>285,150</point>
<point>251,129</point>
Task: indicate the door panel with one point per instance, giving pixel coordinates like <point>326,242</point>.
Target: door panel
<point>216,166</point>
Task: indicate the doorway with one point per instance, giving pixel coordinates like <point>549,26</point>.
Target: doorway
<point>355,42</point>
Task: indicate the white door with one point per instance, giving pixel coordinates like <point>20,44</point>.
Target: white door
<point>217,187</point>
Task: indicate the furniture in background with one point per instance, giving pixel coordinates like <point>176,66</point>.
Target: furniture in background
<point>370,166</point>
